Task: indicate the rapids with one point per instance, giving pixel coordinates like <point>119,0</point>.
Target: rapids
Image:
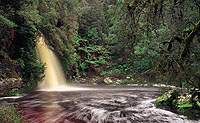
<point>96,105</point>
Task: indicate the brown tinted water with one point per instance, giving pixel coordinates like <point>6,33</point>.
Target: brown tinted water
<point>96,105</point>
<point>54,76</point>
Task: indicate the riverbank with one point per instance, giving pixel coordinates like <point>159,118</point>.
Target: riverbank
<point>10,85</point>
<point>14,86</point>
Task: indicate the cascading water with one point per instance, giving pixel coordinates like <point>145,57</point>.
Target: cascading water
<point>102,105</point>
<point>54,76</point>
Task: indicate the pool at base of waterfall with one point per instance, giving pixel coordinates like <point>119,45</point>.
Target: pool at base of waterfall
<point>96,105</point>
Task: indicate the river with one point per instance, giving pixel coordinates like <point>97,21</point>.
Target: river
<point>96,105</point>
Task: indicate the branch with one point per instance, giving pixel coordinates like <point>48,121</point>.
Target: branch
<point>171,40</point>
<point>189,39</point>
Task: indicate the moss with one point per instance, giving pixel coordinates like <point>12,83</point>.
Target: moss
<point>174,102</point>
<point>168,98</point>
<point>198,103</point>
<point>184,101</point>
<point>187,103</point>
<point>185,106</point>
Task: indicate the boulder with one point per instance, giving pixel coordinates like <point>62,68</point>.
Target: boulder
<point>108,80</point>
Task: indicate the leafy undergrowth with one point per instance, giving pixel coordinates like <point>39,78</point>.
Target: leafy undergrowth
<point>187,104</point>
<point>9,114</point>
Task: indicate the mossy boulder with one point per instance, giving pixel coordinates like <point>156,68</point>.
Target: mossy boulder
<point>195,99</point>
<point>184,101</point>
<point>187,103</point>
<point>168,98</point>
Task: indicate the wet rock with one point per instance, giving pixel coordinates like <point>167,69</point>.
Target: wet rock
<point>108,80</point>
<point>100,81</point>
<point>128,78</point>
<point>84,81</point>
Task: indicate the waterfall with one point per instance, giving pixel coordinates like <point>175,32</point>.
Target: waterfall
<point>54,76</point>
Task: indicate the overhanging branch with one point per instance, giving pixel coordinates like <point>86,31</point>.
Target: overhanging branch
<point>188,40</point>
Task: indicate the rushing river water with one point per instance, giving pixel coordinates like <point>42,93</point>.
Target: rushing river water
<point>96,105</point>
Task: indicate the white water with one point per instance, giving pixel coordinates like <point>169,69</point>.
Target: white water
<point>54,79</point>
<point>54,76</point>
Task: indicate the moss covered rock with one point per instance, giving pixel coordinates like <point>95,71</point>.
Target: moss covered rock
<point>187,103</point>
<point>168,98</point>
<point>184,101</point>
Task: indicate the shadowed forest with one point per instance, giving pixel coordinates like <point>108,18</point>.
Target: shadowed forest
<point>133,41</point>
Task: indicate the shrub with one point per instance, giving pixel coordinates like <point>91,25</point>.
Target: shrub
<point>9,114</point>
<point>28,57</point>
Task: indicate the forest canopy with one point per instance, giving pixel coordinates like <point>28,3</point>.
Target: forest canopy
<point>152,40</point>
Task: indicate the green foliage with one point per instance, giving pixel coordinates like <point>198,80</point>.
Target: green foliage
<point>7,22</point>
<point>28,59</point>
<point>29,11</point>
<point>6,16</point>
<point>9,114</point>
<point>186,103</point>
<point>7,25</point>
<point>198,103</point>
<point>93,57</point>
<point>132,46</point>
<point>21,62</point>
<point>137,29</point>
<point>105,36</point>
<point>182,70</point>
<point>168,97</point>
<point>55,19</point>
<point>112,70</point>
<point>59,26</point>
<point>83,66</point>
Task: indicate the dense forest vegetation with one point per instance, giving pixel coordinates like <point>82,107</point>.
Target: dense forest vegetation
<point>156,41</point>
<point>152,40</point>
